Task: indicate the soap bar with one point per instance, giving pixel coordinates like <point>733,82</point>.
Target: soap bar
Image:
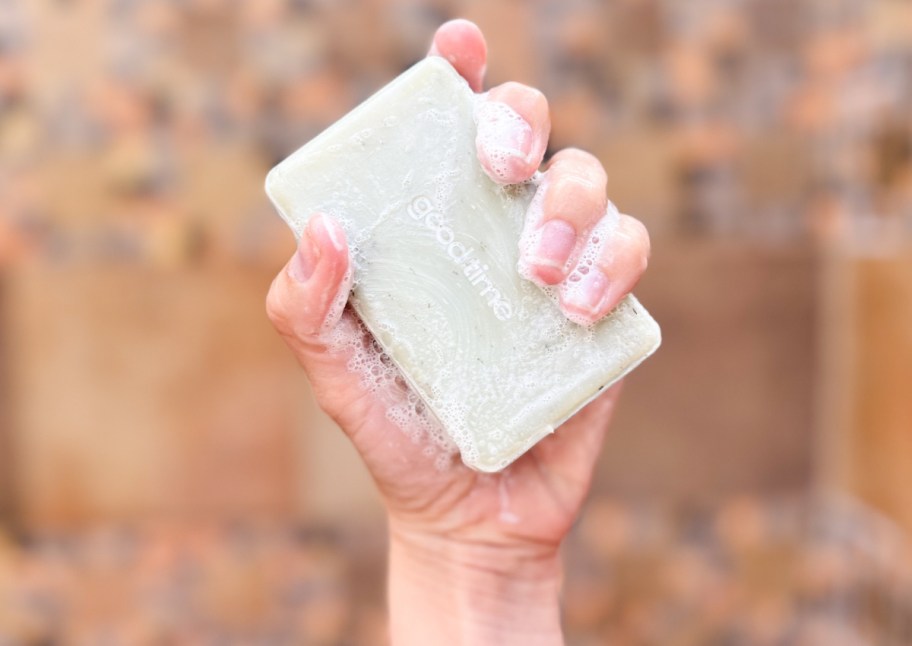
<point>434,245</point>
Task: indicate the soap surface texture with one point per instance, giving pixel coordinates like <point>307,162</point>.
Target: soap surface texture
<point>433,242</point>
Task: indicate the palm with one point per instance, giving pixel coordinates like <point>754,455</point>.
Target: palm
<point>532,501</point>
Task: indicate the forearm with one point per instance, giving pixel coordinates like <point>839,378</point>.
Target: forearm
<point>441,593</point>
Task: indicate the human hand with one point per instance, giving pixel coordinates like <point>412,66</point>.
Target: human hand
<point>473,556</point>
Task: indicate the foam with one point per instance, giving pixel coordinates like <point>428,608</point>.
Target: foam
<point>592,253</point>
<point>530,238</point>
<point>338,302</point>
<point>380,377</point>
<point>502,136</point>
<point>590,244</point>
<point>491,385</point>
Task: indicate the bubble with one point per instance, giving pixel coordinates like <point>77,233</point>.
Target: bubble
<point>379,376</point>
<point>339,300</point>
<point>503,135</point>
<point>530,238</point>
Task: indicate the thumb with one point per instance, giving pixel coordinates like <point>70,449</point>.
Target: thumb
<point>306,299</point>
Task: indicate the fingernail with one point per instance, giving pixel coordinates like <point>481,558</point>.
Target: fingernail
<point>334,232</point>
<point>502,128</point>
<point>556,239</point>
<point>503,135</point>
<point>305,259</point>
<point>585,291</point>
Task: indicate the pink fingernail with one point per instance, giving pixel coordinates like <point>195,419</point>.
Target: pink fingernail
<point>333,231</point>
<point>504,138</point>
<point>555,244</point>
<point>305,260</point>
<point>584,292</point>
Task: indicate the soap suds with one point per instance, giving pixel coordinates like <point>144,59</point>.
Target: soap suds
<point>338,302</point>
<point>379,376</point>
<point>530,238</point>
<point>489,386</point>
<point>592,253</point>
<point>503,139</point>
<point>589,248</point>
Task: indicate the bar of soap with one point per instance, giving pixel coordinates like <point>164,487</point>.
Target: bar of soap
<point>434,245</point>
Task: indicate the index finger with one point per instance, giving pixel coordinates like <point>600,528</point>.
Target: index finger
<point>461,42</point>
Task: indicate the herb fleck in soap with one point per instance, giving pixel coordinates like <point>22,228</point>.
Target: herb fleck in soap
<point>434,245</point>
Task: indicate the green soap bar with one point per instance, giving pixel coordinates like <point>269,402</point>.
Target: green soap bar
<point>434,245</point>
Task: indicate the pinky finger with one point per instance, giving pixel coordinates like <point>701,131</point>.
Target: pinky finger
<point>606,272</point>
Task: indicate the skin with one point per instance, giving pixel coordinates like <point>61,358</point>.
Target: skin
<point>473,557</point>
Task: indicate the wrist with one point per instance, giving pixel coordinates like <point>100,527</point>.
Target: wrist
<point>448,591</point>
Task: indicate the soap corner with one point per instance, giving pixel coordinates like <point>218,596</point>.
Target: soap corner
<point>654,334</point>
<point>440,65</point>
<point>271,178</point>
<point>657,334</point>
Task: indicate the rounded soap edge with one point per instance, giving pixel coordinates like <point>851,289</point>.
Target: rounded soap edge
<point>501,464</point>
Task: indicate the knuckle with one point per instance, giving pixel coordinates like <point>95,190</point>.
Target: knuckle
<point>641,235</point>
<point>580,163</point>
<point>576,195</point>
<point>511,87</point>
<point>276,309</point>
<point>525,99</point>
<point>639,245</point>
<point>569,191</point>
<point>573,184</point>
<point>536,97</point>
<point>644,257</point>
<point>515,88</point>
<point>583,157</point>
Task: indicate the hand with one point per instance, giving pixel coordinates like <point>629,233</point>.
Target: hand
<point>473,556</point>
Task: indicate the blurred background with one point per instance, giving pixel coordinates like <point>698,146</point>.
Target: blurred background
<point>165,476</point>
